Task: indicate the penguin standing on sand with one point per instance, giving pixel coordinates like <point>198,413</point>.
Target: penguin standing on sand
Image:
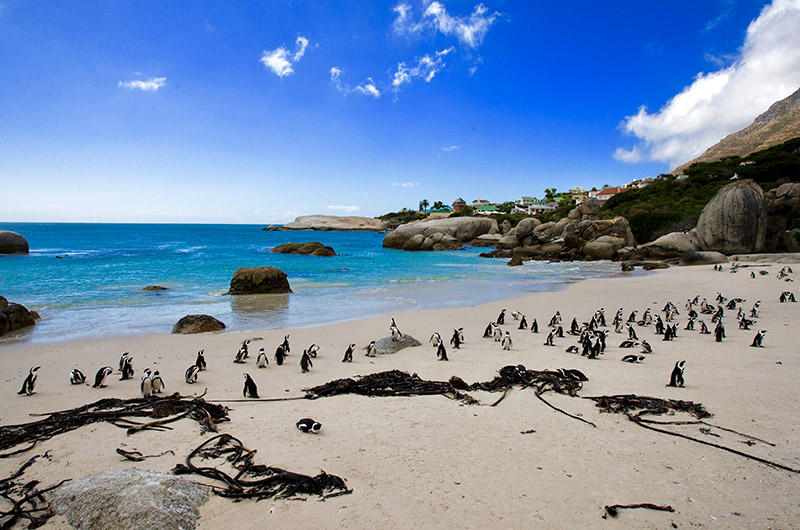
<point>372,349</point>
<point>501,318</point>
<point>201,360</point>
<point>631,332</point>
<point>305,362</point>
<point>549,340</point>
<point>30,382</point>
<point>441,352</point>
<point>286,345</point>
<point>456,339</point>
<point>497,333</point>
<point>76,377</point>
<point>262,361</point>
<point>523,323</point>
<point>534,326</point>
<point>487,333</point>
<point>758,338</point>
<point>158,383</point>
<point>309,425</point>
<point>280,354</point>
<point>313,350</point>
<point>348,354</point>
<point>101,375</point>
<point>147,383</point>
<point>127,368</point>
<point>507,341</point>
<point>122,360</point>
<point>560,332</point>
<point>676,378</point>
<point>244,348</point>
<point>659,325</point>
<point>241,355</point>
<point>646,348</point>
<point>704,329</point>
<point>719,331</point>
<point>250,389</point>
<point>556,320</point>
<point>436,339</point>
<point>191,374</point>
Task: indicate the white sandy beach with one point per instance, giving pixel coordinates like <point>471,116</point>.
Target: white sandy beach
<point>431,462</point>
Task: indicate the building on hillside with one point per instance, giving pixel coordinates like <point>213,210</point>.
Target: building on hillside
<point>576,190</point>
<point>527,201</point>
<point>477,203</point>
<point>606,193</point>
<point>487,209</point>
<point>459,204</point>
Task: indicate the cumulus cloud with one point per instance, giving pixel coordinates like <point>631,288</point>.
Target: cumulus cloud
<point>405,184</point>
<point>151,85</point>
<point>765,70</point>
<point>366,88</point>
<point>281,60</point>
<point>469,30</point>
<point>347,209</point>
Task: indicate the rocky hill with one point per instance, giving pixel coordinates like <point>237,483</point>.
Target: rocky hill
<point>780,123</point>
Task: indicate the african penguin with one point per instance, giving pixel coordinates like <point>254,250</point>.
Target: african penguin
<point>676,378</point>
<point>372,349</point>
<point>456,339</point>
<point>280,354</point>
<point>250,389</point>
<point>201,360</point>
<point>305,362</point>
<point>501,318</point>
<point>101,375</point>
<point>507,341</point>
<point>147,383</point>
<point>30,382</point>
<point>127,368</point>
<point>348,354</point>
<point>633,358</point>
<point>312,350</point>
<point>309,425</point>
<point>435,339</point>
<point>441,352</point>
<point>158,383</point>
<point>191,374</point>
<point>122,360</point>
<point>262,361</point>
<point>758,338</point>
<point>76,377</point>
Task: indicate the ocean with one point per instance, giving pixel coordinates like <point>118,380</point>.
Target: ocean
<point>87,280</point>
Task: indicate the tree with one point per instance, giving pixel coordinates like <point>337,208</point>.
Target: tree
<point>549,193</point>
<point>438,205</point>
<point>423,205</point>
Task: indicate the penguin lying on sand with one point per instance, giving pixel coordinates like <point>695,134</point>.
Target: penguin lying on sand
<point>633,358</point>
<point>309,425</point>
<point>76,377</point>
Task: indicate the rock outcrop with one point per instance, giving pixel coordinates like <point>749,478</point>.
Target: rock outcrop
<point>333,222</point>
<point>735,220</point>
<point>672,245</point>
<point>708,257</point>
<point>387,346</point>
<point>439,234</point>
<point>311,248</point>
<point>783,211</point>
<point>14,316</point>
<point>130,498</point>
<point>259,280</point>
<point>12,243</point>
<point>191,324</point>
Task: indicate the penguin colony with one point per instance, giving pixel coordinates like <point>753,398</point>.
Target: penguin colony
<point>590,336</point>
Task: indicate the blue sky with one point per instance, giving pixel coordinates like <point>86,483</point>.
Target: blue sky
<point>257,112</point>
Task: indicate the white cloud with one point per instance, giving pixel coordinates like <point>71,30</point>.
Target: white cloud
<point>405,184</point>
<point>426,68</point>
<point>348,209</point>
<point>449,148</point>
<point>469,30</point>
<point>281,61</point>
<point>767,69</point>
<point>366,88</point>
<point>151,85</point>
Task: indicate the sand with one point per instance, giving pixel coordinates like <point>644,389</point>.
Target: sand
<point>431,462</point>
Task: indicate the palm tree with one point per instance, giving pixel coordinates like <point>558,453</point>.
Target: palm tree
<point>423,205</point>
<point>438,205</point>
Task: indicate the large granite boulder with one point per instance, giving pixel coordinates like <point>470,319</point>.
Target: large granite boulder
<point>259,280</point>
<point>486,240</point>
<point>783,210</point>
<point>333,222</point>
<point>709,257</point>
<point>444,234</point>
<point>735,220</point>
<point>14,316</point>
<point>387,345</point>
<point>191,324</point>
<point>524,228</point>
<point>12,243</point>
<point>130,498</point>
<point>672,245</point>
<point>311,248</point>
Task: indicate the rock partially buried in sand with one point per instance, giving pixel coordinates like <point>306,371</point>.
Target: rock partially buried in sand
<point>708,257</point>
<point>259,280</point>
<point>197,324</point>
<point>312,248</point>
<point>14,316</point>
<point>130,498</point>
<point>386,345</point>
<point>12,243</point>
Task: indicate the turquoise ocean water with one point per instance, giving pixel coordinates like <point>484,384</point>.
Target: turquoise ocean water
<point>86,280</point>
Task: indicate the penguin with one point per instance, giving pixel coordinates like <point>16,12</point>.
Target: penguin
<point>754,310</point>
<point>262,361</point>
<point>669,333</point>
<point>158,383</point>
<point>560,332</point>
<point>30,382</point>
<point>633,358</point>
<point>241,355</point>
<point>646,348</point>
<point>719,332</point>
<point>632,317</point>
<point>372,350</point>
<point>455,340</point>
<point>631,332</point>
<point>305,362</point>
<point>676,378</point>
<point>286,344</point>
<point>516,315</point>
<point>572,373</point>
<point>501,318</point>
<point>309,425</point>
<point>101,375</point>
<point>659,325</point>
<point>497,333</point>
<point>122,360</point>
<point>244,348</point>
<point>574,329</point>
<point>572,349</point>
<point>191,374</point>
<point>127,368</point>
<point>752,274</point>
<point>441,352</point>
<point>436,339</point>
<point>619,326</point>
<point>628,344</point>
<point>534,326</point>
<point>312,350</point>
<point>704,328</point>
<point>601,316</point>
<point>393,325</point>
<point>507,341</point>
<point>76,377</point>
<point>556,320</point>
<point>348,354</point>
<point>549,340</point>
<point>147,384</point>
<point>396,335</point>
<point>488,331</point>
<point>758,338</point>
<point>201,360</point>
<point>689,325</point>
<point>280,354</point>
<point>250,389</point>
<point>523,323</point>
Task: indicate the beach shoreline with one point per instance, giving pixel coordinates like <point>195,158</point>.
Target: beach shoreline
<point>470,465</point>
